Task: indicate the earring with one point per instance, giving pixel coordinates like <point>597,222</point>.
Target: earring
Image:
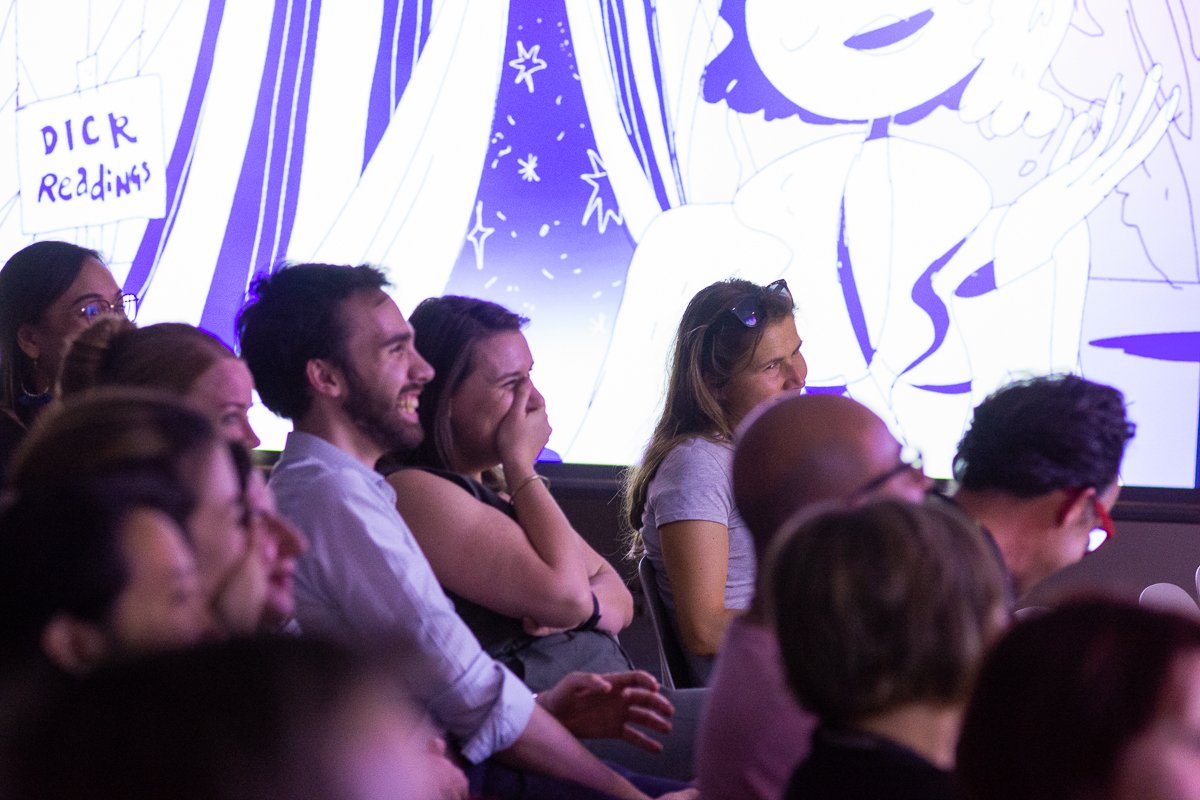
<point>34,395</point>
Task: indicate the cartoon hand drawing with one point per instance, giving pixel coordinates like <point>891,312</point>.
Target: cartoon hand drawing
<point>918,288</point>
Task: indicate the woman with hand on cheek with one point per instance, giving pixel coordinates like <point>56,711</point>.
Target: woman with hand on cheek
<point>539,598</point>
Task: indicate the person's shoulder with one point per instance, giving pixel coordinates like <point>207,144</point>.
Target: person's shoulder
<point>699,455</point>
<point>307,484</point>
<point>700,448</point>
<point>428,476</point>
<point>302,474</point>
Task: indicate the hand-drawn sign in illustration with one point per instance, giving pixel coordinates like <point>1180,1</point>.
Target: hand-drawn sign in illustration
<point>916,171</point>
<point>92,157</point>
<point>958,191</point>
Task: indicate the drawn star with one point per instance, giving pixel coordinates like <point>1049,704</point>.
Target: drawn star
<point>526,63</point>
<point>478,234</point>
<point>528,170</point>
<point>595,203</point>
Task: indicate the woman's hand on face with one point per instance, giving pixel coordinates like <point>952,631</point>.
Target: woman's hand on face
<point>523,431</point>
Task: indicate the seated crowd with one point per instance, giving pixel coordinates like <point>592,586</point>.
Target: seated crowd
<point>404,610</point>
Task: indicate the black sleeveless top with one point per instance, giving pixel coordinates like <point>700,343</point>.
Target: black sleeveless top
<point>540,661</point>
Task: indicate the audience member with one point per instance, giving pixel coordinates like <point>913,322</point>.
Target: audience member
<point>735,347</point>
<point>280,718</point>
<point>793,453</point>
<point>1095,700</point>
<point>49,291</point>
<point>1038,467</point>
<point>538,598</point>
<point>198,367</point>
<point>331,351</point>
<point>883,614</point>
<point>171,356</point>
<point>97,568</point>
<point>91,569</point>
<point>108,431</point>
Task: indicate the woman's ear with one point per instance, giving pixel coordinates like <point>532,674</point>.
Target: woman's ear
<point>27,340</point>
<point>74,645</point>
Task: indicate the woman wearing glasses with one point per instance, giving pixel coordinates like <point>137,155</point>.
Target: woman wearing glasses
<point>49,291</point>
<point>736,346</point>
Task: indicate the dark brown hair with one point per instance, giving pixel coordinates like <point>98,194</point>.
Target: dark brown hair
<point>114,352</point>
<point>61,548</point>
<point>233,720</point>
<point>448,330</point>
<point>294,315</point>
<point>1063,694</point>
<point>32,279</point>
<point>882,605</point>
<point>112,429</point>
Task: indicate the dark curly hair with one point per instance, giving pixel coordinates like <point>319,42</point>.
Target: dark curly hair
<point>293,316</point>
<point>1037,435</point>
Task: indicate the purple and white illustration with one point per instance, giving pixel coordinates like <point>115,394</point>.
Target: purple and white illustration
<point>951,206</point>
<point>957,191</point>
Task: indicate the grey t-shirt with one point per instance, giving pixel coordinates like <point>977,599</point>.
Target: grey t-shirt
<point>694,483</point>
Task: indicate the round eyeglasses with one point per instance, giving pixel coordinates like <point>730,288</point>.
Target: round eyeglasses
<point>126,306</point>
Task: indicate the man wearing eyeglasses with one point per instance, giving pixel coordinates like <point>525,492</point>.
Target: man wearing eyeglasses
<point>791,454</point>
<point>1037,469</point>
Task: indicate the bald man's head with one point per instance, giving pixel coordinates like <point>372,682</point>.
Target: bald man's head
<point>809,448</point>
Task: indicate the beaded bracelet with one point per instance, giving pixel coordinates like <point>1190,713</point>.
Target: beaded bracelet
<point>512,496</point>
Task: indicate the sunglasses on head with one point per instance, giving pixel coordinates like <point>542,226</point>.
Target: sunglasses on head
<point>749,312</point>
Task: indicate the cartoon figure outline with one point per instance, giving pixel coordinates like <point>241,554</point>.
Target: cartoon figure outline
<point>883,233</point>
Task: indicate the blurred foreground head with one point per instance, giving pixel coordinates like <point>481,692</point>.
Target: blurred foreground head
<point>882,606</point>
<point>277,717</point>
<point>1096,700</point>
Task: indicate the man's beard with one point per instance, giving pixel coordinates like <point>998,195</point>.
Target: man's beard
<point>375,415</point>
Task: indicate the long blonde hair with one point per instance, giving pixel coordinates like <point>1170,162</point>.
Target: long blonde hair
<point>711,346</point>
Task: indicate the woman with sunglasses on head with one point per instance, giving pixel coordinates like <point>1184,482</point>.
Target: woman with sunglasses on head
<point>539,599</point>
<point>49,291</point>
<point>736,346</point>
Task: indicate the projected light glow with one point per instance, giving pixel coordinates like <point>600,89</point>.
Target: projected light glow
<point>957,192</point>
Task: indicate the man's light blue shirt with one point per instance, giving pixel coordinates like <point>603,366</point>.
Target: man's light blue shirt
<point>365,576</point>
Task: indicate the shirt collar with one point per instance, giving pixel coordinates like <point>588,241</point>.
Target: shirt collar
<point>306,445</point>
